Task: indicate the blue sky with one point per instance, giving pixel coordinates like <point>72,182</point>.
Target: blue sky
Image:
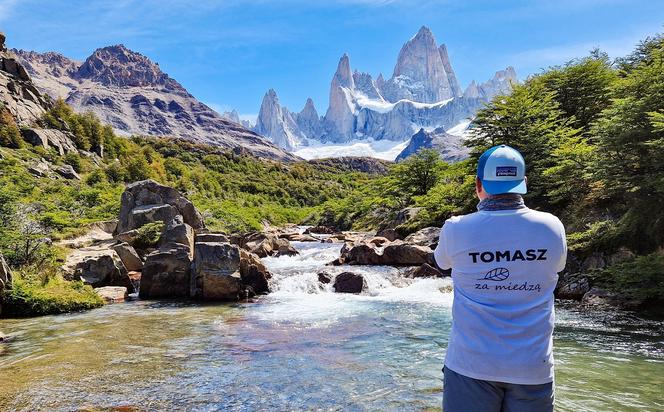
<point>228,53</point>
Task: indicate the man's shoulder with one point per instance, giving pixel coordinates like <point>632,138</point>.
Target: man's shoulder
<point>462,219</point>
<point>544,217</point>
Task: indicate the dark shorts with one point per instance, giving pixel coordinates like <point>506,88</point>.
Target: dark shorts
<point>464,394</point>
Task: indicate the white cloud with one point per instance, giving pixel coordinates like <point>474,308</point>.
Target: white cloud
<point>6,8</point>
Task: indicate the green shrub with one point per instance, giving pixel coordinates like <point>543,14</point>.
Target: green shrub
<point>74,160</point>
<point>149,234</point>
<point>641,278</point>
<point>30,295</point>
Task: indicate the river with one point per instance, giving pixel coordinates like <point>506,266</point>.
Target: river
<point>303,347</point>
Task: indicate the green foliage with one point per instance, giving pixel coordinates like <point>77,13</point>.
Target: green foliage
<point>638,279</point>
<point>33,297</point>
<point>10,135</point>
<point>149,234</point>
<point>418,173</point>
<point>74,160</point>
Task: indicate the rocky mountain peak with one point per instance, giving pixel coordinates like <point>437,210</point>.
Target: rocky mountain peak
<point>343,77</point>
<point>119,66</point>
<point>454,83</point>
<point>309,108</point>
<point>276,122</point>
<point>419,73</point>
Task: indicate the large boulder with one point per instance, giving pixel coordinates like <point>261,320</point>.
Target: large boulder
<point>253,272</point>
<point>405,254</point>
<point>348,282</point>
<point>166,274</point>
<point>129,257</point>
<point>47,138</point>
<point>104,269</point>
<point>424,237</point>
<point>389,234</point>
<point>147,195</point>
<point>360,254</point>
<point>216,272</point>
<point>323,230</point>
<point>68,172</point>
<point>393,254</point>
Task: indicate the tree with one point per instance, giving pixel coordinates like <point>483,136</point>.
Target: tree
<point>530,120</point>
<point>418,173</point>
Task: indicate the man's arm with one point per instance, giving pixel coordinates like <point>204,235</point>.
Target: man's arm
<point>441,255</point>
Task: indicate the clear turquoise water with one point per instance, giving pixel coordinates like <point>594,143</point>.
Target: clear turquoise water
<point>302,348</point>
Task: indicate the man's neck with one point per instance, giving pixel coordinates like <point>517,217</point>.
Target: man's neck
<point>509,201</point>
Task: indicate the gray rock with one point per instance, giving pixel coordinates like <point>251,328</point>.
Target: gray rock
<point>572,287</point>
<point>216,272</point>
<point>177,232</point>
<point>104,269</point>
<point>166,274</point>
<point>407,214</point>
<point>253,272</point>
<point>112,294</point>
<point>129,257</point>
<point>424,237</point>
<point>389,234</point>
<point>68,172</point>
<point>141,197</point>
<point>142,215</point>
<point>404,254</point>
<point>212,237</point>
<point>348,282</point>
<point>324,277</point>
<point>47,138</point>
<point>40,169</point>
<point>426,271</point>
<point>277,123</point>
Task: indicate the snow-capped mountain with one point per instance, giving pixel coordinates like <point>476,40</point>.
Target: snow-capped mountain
<point>423,92</point>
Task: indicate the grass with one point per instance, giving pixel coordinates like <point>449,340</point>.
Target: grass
<point>37,295</point>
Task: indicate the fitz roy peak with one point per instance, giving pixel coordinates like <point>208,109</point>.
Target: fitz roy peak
<point>130,92</point>
<point>423,93</point>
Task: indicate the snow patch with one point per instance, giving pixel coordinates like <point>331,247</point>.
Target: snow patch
<point>380,149</point>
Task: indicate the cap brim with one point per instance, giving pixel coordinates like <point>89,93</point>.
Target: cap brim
<point>495,187</point>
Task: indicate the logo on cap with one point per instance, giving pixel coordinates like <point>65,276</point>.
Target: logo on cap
<point>506,171</point>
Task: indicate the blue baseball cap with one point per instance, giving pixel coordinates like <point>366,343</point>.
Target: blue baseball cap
<point>502,169</point>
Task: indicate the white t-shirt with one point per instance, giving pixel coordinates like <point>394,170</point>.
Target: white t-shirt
<point>504,268</point>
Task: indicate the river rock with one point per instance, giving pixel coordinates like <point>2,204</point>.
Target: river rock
<point>253,272</point>
<point>389,234</point>
<point>216,272</point>
<point>572,287</point>
<point>424,237</point>
<point>129,257</point>
<point>348,282</point>
<point>104,269</point>
<point>112,294</point>
<point>129,236</point>
<point>166,274</point>
<point>298,237</point>
<point>284,248</point>
<point>405,254</point>
<point>324,277</point>
<point>147,195</point>
<point>360,254</point>
<point>322,230</point>
<point>426,271</point>
<point>378,241</point>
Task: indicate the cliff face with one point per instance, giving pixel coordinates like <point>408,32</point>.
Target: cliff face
<point>130,92</point>
<point>18,93</point>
